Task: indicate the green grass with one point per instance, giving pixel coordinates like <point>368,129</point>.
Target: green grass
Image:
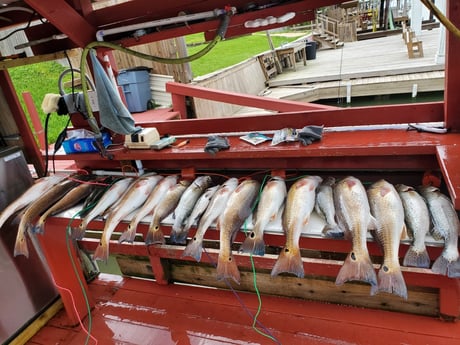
<point>39,79</point>
<point>42,78</point>
<point>230,51</point>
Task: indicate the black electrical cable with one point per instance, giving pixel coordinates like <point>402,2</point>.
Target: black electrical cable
<point>19,29</point>
<point>46,144</point>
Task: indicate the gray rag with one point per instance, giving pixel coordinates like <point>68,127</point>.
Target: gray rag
<point>309,134</point>
<point>113,114</point>
<point>215,144</point>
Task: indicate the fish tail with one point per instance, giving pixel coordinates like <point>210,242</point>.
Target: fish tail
<point>391,281</point>
<point>102,252</point>
<point>20,246</point>
<point>128,235</point>
<point>416,258</point>
<point>79,232</point>
<point>253,245</point>
<point>227,268</point>
<point>179,237</point>
<point>440,265</point>
<point>289,261</point>
<point>332,231</point>
<point>194,249</point>
<point>453,269</point>
<point>155,235</point>
<point>357,267</point>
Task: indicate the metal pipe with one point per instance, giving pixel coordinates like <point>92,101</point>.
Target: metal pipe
<point>167,21</point>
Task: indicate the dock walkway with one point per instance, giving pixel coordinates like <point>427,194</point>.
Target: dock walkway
<point>372,67</point>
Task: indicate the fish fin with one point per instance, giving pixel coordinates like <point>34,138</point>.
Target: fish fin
<point>102,252</point>
<point>253,245</point>
<point>391,281</point>
<point>405,233</point>
<point>357,267</point>
<point>373,224</point>
<point>306,220</point>
<point>453,269</point>
<point>128,235</point>
<point>440,265</point>
<point>20,247</point>
<point>155,236</point>
<point>332,231</point>
<point>227,268</point>
<point>78,233</point>
<point>290,261</point>
<point>179,237</point>
<point>416,258</point>
<point>194,249</point>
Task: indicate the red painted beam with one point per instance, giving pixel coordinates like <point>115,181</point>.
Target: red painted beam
<point>237,98</point>
<point>33,113</point>
<point>66,19</point>
<point>452,80</point>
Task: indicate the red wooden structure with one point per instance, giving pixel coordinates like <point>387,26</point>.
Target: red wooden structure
<point>405,156</point>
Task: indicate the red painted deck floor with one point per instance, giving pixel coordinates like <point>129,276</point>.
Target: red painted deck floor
<point>136,311</point>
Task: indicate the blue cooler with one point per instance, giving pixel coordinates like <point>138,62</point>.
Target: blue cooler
<point>135,83</point>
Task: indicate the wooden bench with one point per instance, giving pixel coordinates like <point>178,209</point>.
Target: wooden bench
<point>414,45</point>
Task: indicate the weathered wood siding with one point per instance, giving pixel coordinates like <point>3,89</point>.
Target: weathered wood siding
<point>246,77</point>
<point>172,48</point>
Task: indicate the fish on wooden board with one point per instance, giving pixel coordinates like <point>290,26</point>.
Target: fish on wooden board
<point>113,194</point>
<point>215,208</point>
<point>200,207</point>
<point>73,197</point>
<point>271,202</point>
<point>238,209</point>
<point>167,205</point>
<point>388,211</point>
<point>354,217</point>
<point>325,208</point>
<point>33,193</point>
<point>37,208</point>
<point>185,207</point>
<point>418,223</point>
<point>152,201</point>
<point>136,195</point>
<point>299,205</point>
<point>446,226</point>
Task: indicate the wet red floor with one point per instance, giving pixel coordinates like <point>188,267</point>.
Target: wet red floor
<point>135,311</point>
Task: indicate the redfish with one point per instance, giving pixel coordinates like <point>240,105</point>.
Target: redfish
<point>148,207</point>
<point>271,202</point>
<point>33,193</point>
<point>387,209</point>
<point>238,209</point>
<point>167,205</point>
<point>136,195</point>
<point>446,226</point>
<point>299,205</point>
<point>354,217</point>
<point>185,207</point>
<point>215,208</point>
<point>417,219</point>
<point>113,194</point>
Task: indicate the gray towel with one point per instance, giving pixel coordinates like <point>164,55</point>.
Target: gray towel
<point>113,114</point>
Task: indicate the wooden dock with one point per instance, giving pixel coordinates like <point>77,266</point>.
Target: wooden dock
<point>371,67</point>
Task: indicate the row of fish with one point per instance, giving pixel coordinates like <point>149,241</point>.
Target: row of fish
<point>346,206</point>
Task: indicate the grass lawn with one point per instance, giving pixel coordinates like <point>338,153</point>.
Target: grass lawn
<point>230,51</point>
<point>42,78</point>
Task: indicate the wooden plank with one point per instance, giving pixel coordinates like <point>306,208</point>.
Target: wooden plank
<point>422,301</point>
<point>36,59</point>
<point>449,158</point>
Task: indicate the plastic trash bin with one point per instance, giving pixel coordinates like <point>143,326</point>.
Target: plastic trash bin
<point>135,83</point>
<point>310,50</point>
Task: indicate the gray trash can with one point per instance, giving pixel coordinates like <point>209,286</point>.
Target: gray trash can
<point>135,83</point>
<point>310,50</point>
